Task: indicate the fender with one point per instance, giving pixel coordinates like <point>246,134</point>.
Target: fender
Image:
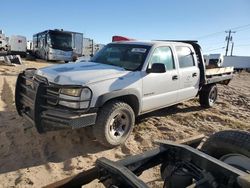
<point>102,99</point>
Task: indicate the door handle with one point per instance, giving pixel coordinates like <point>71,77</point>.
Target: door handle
<point>194,74</point>
<point>175,77</point>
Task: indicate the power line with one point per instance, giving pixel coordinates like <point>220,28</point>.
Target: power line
<point>215,49</point>
<point>239,28</point>
<point>210,35</point>
<point>213,44</point>
<point>242,45</point>
<point>235,46</point>
<point>243,29</point>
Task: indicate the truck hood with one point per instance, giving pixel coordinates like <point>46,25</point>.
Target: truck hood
<point>81,73</point>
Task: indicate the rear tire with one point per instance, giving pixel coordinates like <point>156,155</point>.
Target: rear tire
<point>114,124</point>
<point>227,142</point>
<point>208,95</point>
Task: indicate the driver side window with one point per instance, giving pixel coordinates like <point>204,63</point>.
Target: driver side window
<point>163,55</point>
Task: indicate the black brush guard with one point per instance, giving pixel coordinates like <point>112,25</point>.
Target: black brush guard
<point>37,100</point>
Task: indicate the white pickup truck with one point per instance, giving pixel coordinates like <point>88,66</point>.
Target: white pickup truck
<point>122,81</point>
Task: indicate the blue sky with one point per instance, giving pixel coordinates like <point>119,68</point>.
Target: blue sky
<point>140,19</point>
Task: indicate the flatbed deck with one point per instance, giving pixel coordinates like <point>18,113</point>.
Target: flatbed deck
<point>221,75</point>
<point>219,71</point>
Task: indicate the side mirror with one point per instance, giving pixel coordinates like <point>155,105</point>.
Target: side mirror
<point>157,68</point>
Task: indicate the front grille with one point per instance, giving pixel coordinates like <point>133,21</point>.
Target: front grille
<point>53,93</point>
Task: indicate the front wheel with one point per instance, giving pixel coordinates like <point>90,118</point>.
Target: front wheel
<point>114,124</point>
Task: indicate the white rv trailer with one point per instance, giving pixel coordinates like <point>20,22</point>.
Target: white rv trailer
<point>77,43</point>
<point>17,45</point>
<point>238,62</point>
<point>53,45</point>
<point>29,45</point>
<point>90,48</point>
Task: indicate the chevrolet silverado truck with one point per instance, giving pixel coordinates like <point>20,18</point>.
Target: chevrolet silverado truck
<point>122,81</point>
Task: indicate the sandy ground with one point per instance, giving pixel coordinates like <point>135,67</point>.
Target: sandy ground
<point>28,159</point>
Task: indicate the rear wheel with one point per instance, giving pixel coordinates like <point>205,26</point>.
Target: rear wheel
<point>208,95</point>
<point>231,147</point>
<point>114,123</point>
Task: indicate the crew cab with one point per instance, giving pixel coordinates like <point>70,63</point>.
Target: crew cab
<point>122,81</point>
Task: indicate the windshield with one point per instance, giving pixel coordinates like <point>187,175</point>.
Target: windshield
<point>128,56</point>
<point>61,40</point>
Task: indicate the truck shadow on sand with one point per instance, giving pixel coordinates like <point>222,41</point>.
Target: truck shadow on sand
<point>22,147</point>
<point>169,111</point>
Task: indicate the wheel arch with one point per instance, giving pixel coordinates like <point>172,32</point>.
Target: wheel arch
<point>129,96</point>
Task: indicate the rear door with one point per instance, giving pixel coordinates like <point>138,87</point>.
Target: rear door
<point>189,72</point>
<point>160,89</point>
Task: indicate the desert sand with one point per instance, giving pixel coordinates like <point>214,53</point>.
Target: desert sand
<point>29,159</point>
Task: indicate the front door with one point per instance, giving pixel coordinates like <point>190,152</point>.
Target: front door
<point>160,89</point>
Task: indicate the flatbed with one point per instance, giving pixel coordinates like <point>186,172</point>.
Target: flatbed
<point>219,75</point>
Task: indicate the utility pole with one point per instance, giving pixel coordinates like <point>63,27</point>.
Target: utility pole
<point>92,53</point>
<point>232,48</point>
<point>229,38</point>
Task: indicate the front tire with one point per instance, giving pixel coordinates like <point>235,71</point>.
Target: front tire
<point>208,95</point>
<point>114,124</point>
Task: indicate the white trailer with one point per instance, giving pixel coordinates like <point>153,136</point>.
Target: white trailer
<point>17,45</point>
<point>88,48</point>
<point>77,43</point>
<point>238,62</point>
<point>29,45</point>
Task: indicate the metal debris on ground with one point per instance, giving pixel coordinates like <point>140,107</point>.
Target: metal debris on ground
<point>11,60</point>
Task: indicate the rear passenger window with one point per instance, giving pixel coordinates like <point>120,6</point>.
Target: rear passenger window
<point>185,56</point>
<point>163,55</point>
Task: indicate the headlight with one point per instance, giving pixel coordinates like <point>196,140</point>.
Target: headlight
<point>77,98</point>
<point>71,92</point>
